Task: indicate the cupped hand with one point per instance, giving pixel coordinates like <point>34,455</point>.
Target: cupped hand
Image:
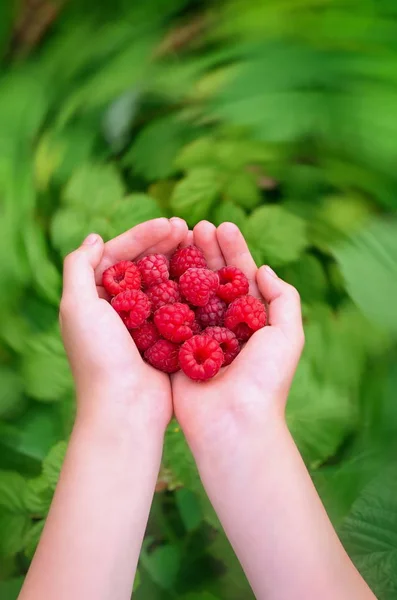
<point>254,388</point>
<point>111,378</point>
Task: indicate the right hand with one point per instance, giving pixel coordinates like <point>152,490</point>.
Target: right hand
<point>244,398</point>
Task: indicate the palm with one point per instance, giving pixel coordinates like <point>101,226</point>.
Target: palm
<point>110,332</point>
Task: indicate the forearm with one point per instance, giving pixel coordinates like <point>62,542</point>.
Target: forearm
<point>275,521</point>
<point>92,538</point>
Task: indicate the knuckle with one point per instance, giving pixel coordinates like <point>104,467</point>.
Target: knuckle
<point>294,294</point>
<point>69,260</point>
<point>67,306</point>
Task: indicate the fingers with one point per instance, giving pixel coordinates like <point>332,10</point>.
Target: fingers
<point>236,252</point>
<point>132,243</point>
<point>158,235</point>
<point>205,237</point>
<point>284,307</point>
<point>179,230</point>
<point>79,271</point>
<point>188,240</point>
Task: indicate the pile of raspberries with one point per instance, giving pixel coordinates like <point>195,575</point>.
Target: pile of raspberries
<point>182,315</point>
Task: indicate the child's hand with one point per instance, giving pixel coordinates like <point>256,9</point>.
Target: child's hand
<point>253,390</point>
<point>111,377</point>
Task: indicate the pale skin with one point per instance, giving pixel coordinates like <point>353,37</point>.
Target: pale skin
<point>234,424</point>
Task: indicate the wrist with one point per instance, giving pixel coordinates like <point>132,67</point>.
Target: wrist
<point>117,437</point>
<point>123,410</point>
<point>231,442</point>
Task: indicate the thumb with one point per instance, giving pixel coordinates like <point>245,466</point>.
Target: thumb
<point>79,269</point>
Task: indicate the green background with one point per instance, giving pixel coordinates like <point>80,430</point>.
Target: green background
<point>279,115</point>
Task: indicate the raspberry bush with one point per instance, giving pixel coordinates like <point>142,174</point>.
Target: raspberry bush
<point>278,116</point>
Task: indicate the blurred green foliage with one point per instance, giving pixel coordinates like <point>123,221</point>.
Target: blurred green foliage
<point>278,115</point>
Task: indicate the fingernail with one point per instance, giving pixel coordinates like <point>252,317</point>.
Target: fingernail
<point>175,219</point>
<point>90,240</point>
<point>270,271</point>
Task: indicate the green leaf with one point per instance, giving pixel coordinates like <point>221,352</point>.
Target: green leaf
<point>13,528</point>
<point>227,211</point>
<point>280,236</point>
<point>200,596</point>
<point>35,432</point>
<point>233,582</point>
<point>52,464</point>
<point>118,119</point>
<point>137,581</point>
<point>154,150</point>
<point>38,496</point>
<point>336,217</point>
<point>132,210</point>
<point>14,519</point>
<point>9,590</point>
<point>11,393</point>
<point>162,565</point>
<point>368,262</point>
<point>189,508</point>
<point>12,493</point>
<point>94,189</point>
<point>178,458</point>
<point>309,278</point>
<point>319,415</point>
<point>194,195</point>
<point>46,278</point>
<point>199,153</point>
<point>70,226</point>
<point>45,368</point>
<point>369,534</point>
<point>32,538</point>
<point>242,189</point>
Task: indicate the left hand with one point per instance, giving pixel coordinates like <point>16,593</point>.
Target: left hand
<point>113,383</point>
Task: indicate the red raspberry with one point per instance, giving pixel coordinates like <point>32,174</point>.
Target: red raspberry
<point>163,355</point>
<point>164,293</point>
<point>198,285</point>
<point>133,307</point>
<point>145,336</point>
<point>244,316</point>
<point>185,258</point>
<point>201,357</point>
<point>212,313</point>
<point>196,327</point>
<point>174,322</point>
<point>120,277</point>
<point>153,269</point>
<point>227,341</point>
<point>232,284</point>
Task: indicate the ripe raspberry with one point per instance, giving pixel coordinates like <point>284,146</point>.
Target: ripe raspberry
<point>232,284</point>
<point>185,258</point>
<point>163,355</point>
<point>201,357</point>
<point>196,327</point>
<point>244,316</point>
<point>198,285</point>
<point>120,277</point>
<point>174,322</point>
<point>212,313</point>
<point>153,269</point>
<point>164,293</point>
<point>133,307</point>
<point>145,336</point>
<point>227,341</point>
